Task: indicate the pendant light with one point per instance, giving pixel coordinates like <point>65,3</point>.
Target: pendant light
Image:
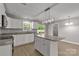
<point>48,17</point>
<point>45,17</point>
<point>69,22</point>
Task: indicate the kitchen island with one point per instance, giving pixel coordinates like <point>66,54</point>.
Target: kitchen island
<point>47,46</point>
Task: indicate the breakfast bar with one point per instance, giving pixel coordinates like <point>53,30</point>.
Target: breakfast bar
<point>47,46</point>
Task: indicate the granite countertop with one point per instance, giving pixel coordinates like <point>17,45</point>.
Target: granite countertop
<point>5,37</point>
<point>16,33</point>
<point>51,37</point>
<point>11,28</point>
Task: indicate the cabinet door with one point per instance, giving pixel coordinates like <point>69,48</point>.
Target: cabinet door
<point>37,44</point>
<point>45,47</point>
<point>23,39</point>
<point>6,50</point>
<point>42,45</point>
<point>18,40</point>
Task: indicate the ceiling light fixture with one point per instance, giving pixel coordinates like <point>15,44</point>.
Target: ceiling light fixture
<point>69,22</point>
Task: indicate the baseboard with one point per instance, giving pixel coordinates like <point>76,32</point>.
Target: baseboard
<point>70,42</point>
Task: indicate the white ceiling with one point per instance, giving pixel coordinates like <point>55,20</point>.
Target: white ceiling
<point>66,9</point>
<point>28,10</point>
<point>60,11</point>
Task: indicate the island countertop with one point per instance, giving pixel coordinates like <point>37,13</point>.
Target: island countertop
<point>50,37</point>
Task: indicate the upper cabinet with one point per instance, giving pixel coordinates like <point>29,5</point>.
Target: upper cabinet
<point>2,9</point>
<point>2,12</point>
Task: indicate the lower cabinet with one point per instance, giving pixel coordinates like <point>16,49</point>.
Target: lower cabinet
<point>43,46</point>
<point>23,39</point>
<point>46,47</point>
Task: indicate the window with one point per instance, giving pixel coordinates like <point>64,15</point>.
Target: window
<point>27,25</point>
<point>40,29</point>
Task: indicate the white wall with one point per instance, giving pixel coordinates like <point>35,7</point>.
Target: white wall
<point>70,33</point>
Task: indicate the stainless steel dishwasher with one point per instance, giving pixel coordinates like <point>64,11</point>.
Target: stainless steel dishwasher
<point>6,45</point>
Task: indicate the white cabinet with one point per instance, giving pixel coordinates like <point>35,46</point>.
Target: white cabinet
<point>37,44</point>
<point>6,50</point>
<point>2,11</point>
<point>43,46</point>
<point>23,39</point>
<point>18,40</point>
<point>6,47</point>
<point>46,47</point>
